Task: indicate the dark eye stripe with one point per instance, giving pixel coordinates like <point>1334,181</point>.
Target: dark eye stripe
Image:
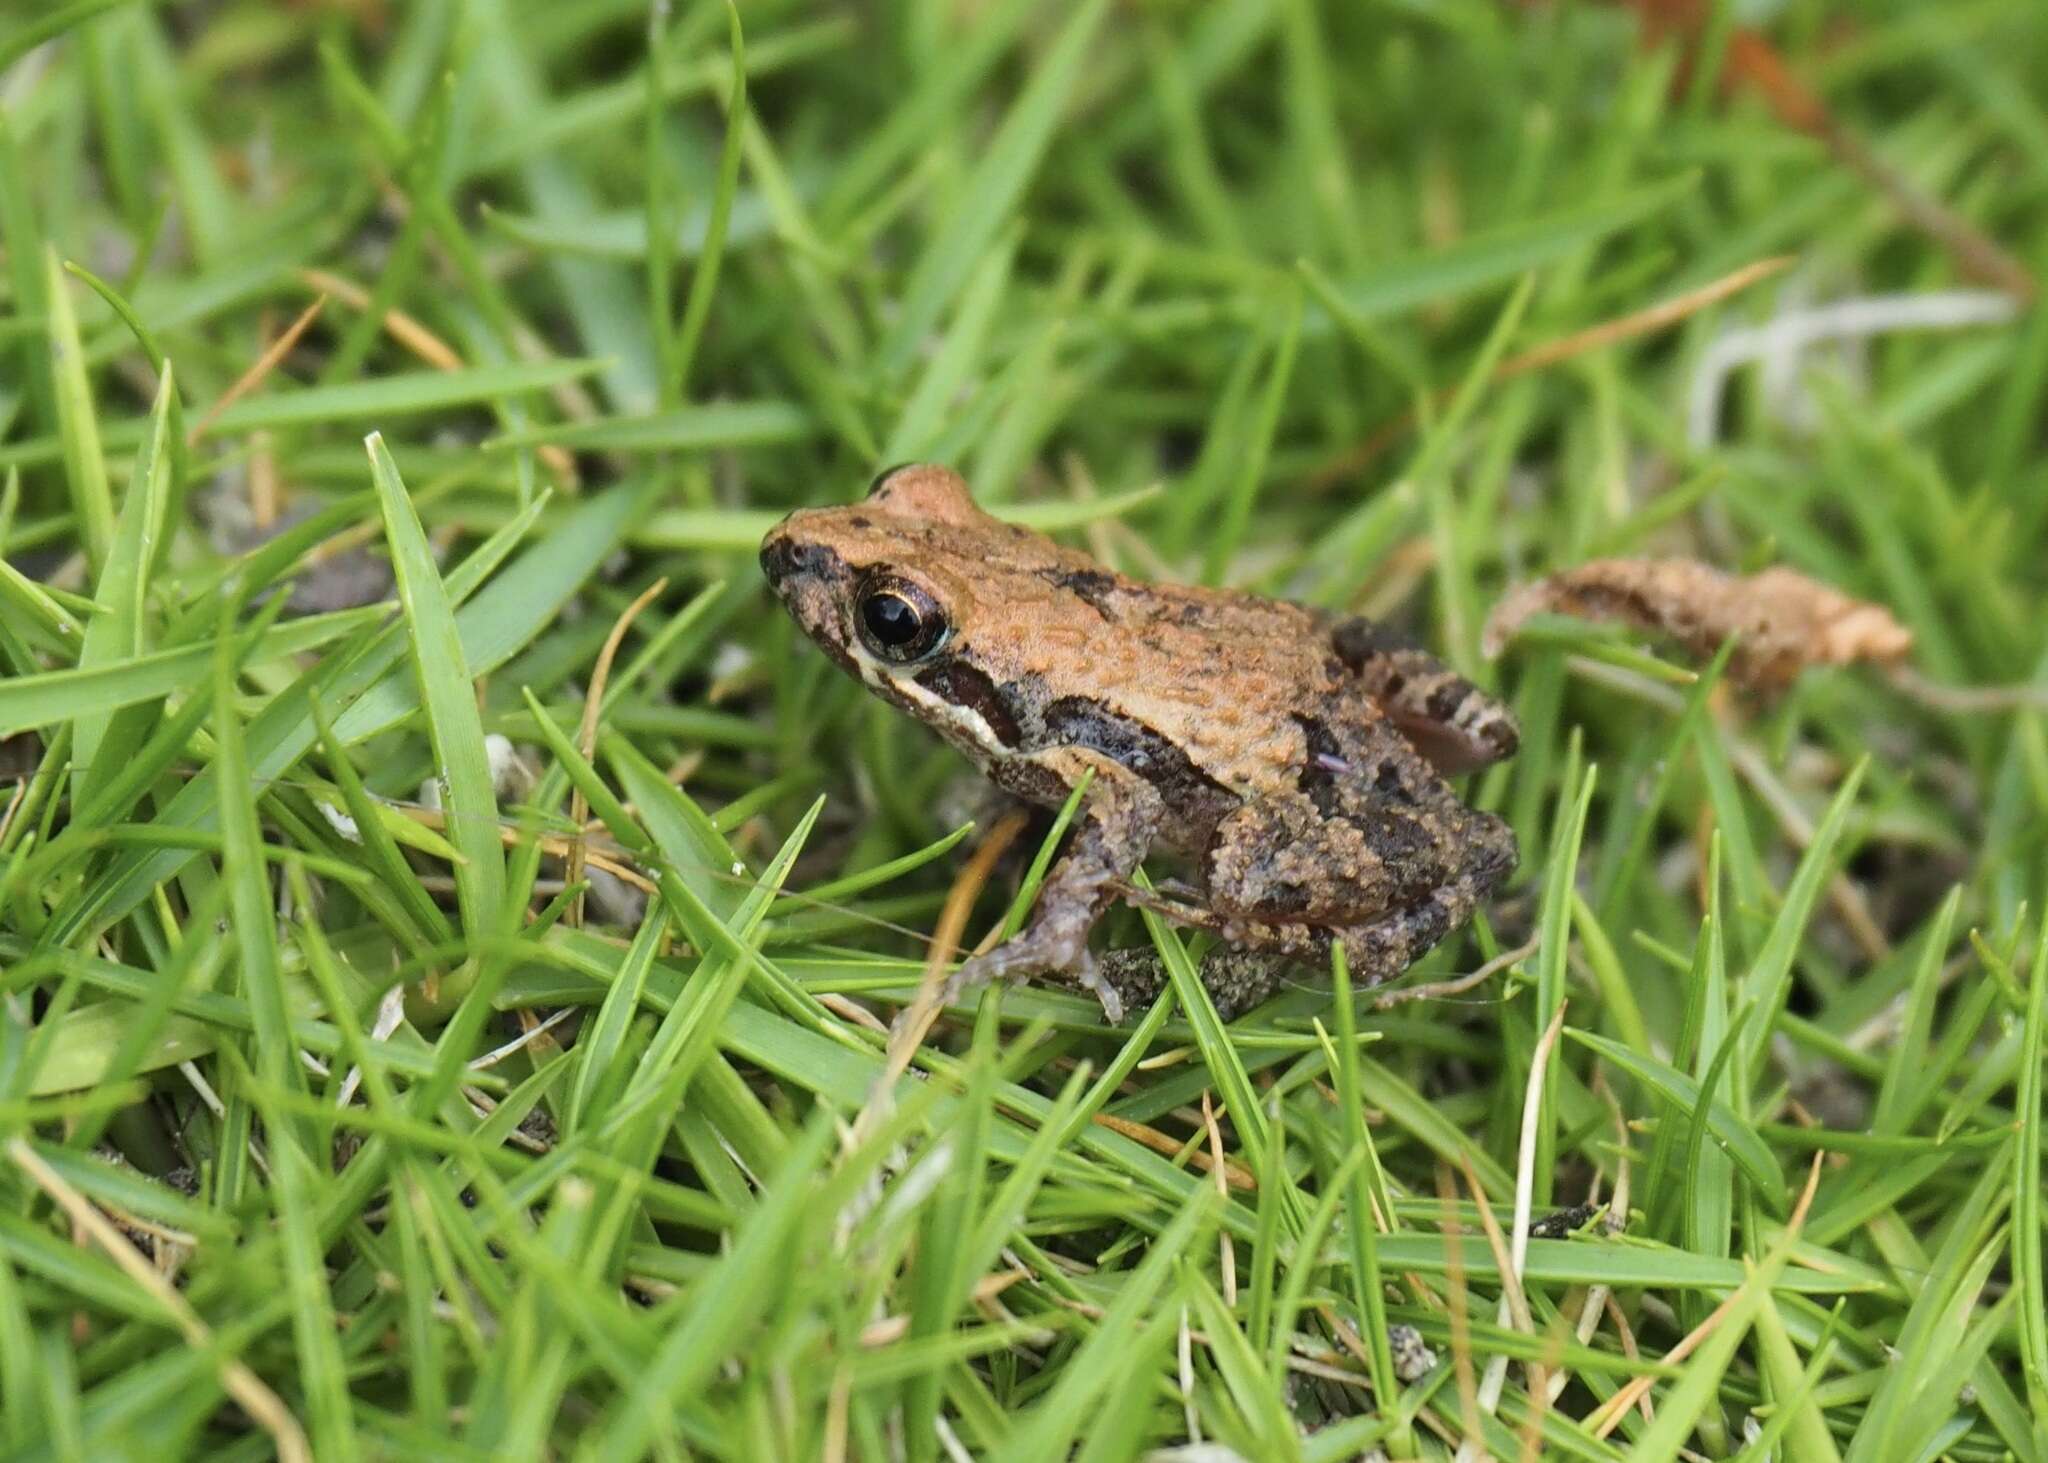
<point>1076,722</point>
<point>964,686</point>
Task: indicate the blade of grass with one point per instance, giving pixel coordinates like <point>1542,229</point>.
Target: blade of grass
<point>658,205</point>
<point>704,278</point>
<point>25,37</point>
<point>453,725</point>
<point>1491,258</point>
<point>1361,1224</point>
<point>1061,1414</point>
<point>599,1042</point>
<point>1735,1137</point>
<point>939,388</point>
<point>102,743</point>
<point>275,1055</point>
<point>1795,1416</point>
<point>1273,1433</point>
<point>496,624</point>
<point>681,429</point>
<point>1770,978</point>
<point>100,691</point>
<point>1212,1040</point>
<point>1553,951</point>
<point>2029,1251</point>
<point>85,465</point>
<point>1242,489</point>
<point>990,195</point>
<point>744,1279</point>
<point>120,306</point>
<point>1697,1387</point>
<point>384,397</point>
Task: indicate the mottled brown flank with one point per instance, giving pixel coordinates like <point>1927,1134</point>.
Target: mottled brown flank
<point>1783,622</point>
<point>1294,759</point>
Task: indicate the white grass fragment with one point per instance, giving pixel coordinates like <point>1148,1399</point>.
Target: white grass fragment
<point>390,1011</point>
<point>1780,343</point>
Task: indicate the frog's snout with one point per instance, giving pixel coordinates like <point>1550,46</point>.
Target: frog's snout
<point>786,560</point>
<point>778,559</point>
<point>811,581</point>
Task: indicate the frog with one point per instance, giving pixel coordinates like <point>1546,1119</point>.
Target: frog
<point>1296,760</point>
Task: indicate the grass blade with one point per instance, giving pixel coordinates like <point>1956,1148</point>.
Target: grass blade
<point>397,396</point>
<point>704,278</point>
<point>2029,1230</point>
<point>1770,977</point>
<point>453,724</point>
<point>104,742</point>
<point>991,192</point>
<point>1735,1137</point>
<point>85,465</point>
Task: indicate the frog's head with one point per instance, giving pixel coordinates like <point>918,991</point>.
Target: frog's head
<point>870,582</point>
<point>896,587</point>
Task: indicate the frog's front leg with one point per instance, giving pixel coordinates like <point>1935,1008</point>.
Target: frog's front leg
<point>1122,814</point>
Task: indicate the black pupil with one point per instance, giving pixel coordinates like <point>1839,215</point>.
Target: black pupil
<point>891,619</point>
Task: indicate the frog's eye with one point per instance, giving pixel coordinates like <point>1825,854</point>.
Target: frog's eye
<point>899,621</point>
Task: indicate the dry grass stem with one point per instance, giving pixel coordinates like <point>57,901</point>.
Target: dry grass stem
<point>586,732</point>
<point>258,370</point>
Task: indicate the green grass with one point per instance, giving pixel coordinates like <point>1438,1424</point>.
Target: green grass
<point>1144,273</point>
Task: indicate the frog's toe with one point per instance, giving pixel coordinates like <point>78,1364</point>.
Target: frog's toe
<point>971,973</point>
<point>1020,959</point>
<point>1089,977</point>
<point>1006,962</point>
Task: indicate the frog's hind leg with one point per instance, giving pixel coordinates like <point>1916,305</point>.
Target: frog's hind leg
<point>1375,950</point>
<point>1453,723</point>
<point>1236,980</point>
<point>1378,950</point>
<point>1380,943</point>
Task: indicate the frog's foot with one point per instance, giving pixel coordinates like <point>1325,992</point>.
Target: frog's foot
<point>1236,980</point>
<point>1023,957</point>
<point>1089,977</point>
<point>1413,1359</point>
<point>1380,951</point>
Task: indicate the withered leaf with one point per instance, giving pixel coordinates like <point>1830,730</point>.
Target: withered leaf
<point>1783,621</point>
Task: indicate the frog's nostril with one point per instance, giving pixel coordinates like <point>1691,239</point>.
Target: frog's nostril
<point>784,559</point>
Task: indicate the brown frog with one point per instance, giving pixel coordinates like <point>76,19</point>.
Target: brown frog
<point>1296,759</point>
